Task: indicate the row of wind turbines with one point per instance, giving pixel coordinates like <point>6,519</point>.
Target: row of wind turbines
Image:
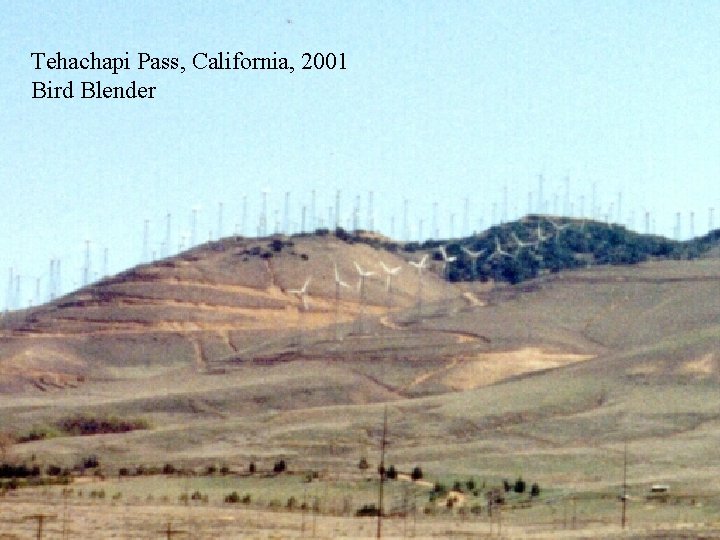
<point>303,294</point>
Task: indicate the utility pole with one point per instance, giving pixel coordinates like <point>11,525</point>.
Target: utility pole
<point>40,518</point>
<point>169,532</point>
<point>624,495</point>
<point>381,471</point>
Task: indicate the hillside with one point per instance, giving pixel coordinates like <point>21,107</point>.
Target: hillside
<point>547,377</point>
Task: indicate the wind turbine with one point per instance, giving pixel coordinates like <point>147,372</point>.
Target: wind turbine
<point>499,251</point>
<point>420,266</point>
<point>361,286</point>
<point>522,244</point>
<point>389,273</point>
<point>540,236</point>
<point>474,256</point>
<point>446,260</point>
<point>302,294</point>
<point>338,284</point>
<point>558,228</point>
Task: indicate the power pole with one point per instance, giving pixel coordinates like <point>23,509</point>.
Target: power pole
<point>169,532</point>
<point>381,472</point>
<point>624,495</point>
<point>40,518</point>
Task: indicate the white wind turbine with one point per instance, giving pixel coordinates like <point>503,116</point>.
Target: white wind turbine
<point>446,261</point>
<point>302,295</point>
<point>420,266</point>
<point>474,256</point>
<point>558,228</point>
<point>338,284</point>
<point>499,251</point>
<point>361,289</point>
<point>522,244</point>
<point>389,273</point>
<point>540,236</point>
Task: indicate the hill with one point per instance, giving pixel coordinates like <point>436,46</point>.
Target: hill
<point>546,378</point>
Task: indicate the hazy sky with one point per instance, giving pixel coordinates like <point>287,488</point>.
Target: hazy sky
<point>439,101</point>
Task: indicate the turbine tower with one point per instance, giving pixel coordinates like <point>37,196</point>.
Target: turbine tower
<point>167,234</point>
<point>711,225</point>
<point>220,221</point>
<point>446,261</point>
<point>361,286</point>
<point>338,284</point>
<point>146,236</point>
<point>692,225</point>
<point>337,209</point>
<point>420,266</point>
<point>193,227</point>
<point>389,274</point>
<point>262,230</point>
<point>474,256</point>
<point>302,296</point>
<point>86,268</point>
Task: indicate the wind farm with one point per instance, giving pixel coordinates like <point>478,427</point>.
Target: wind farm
<point>209,335</point>
<point>452,272</point>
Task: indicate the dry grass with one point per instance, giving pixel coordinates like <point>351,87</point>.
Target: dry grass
<point>546,380</point>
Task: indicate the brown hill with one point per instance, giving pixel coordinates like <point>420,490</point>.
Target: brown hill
<point>547,377</point>
<point>205,304</point>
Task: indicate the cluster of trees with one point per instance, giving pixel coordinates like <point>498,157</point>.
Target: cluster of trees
<point>566,244</point>
<point>88,425</point>
<point>548,246</point>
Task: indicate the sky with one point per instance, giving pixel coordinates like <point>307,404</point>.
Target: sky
<point>448,112</point>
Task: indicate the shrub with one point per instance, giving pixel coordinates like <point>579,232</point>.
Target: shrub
<point>519,486</point>
<point>416,474</point>
<point>535,490</point>
<point>168,468</point>
<point>367,510</point>
<point>391,473</point>
<point>91,462</point>
<point>251,467</point>
<point>280,466</point>
<point>210,470</point>
<point>506,486</point>
<point>470,484</point>
<point>232,497</point>
<point>53,470</point>
<point>363,464</point>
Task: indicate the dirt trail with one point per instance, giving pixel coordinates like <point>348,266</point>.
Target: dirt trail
<point>427,375</point>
